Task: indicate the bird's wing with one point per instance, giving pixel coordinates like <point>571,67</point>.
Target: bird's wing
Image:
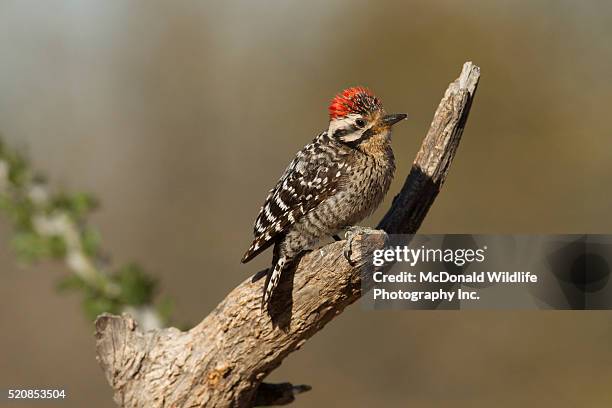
<point>314,174</point>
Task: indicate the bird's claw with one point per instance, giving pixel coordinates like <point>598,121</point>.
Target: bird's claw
<point>347,251</point>
<point>350,234</point>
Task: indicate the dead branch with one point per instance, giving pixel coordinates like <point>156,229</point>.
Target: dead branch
<point>222,361</point>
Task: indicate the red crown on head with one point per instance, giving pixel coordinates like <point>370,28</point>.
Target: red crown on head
<point>357,100</point>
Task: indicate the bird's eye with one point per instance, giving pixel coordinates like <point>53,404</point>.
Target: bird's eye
<point>360,123</point>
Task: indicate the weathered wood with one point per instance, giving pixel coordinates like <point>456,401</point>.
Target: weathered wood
<point>433,160</point>
<point>222,361</point>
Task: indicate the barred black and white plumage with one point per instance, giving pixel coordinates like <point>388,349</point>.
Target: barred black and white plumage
<point>331,184</point>
<point>312,176</point>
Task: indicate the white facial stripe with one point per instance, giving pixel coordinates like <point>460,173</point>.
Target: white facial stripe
<point>351,137</point>
<point>347,122</point>
<point>342,123</point>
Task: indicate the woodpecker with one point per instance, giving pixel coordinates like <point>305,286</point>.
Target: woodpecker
<point>333,183</point>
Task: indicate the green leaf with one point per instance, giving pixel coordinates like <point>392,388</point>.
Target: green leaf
<point>95,306</point>
<point>165,307</point>
<point>77,205</point>
<point>19,210</point>
<point>90,239</point>
<point>31,247</point>
<point>56,247</point>
<point>18,169</point>
<point>137,288</point>
<point>70,282</point>
<point>83,203</point>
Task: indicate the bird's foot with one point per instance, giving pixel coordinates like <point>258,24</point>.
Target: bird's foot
<point>350,234</point>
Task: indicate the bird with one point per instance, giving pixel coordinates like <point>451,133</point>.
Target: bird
<point>332,184</point>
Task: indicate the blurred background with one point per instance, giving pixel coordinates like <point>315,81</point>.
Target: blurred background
<point>181,115</point>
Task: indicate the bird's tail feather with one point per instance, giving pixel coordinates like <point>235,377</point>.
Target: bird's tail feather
<point>272,281</point>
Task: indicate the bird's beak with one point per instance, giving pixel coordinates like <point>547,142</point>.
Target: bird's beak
<point>389,120</point>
